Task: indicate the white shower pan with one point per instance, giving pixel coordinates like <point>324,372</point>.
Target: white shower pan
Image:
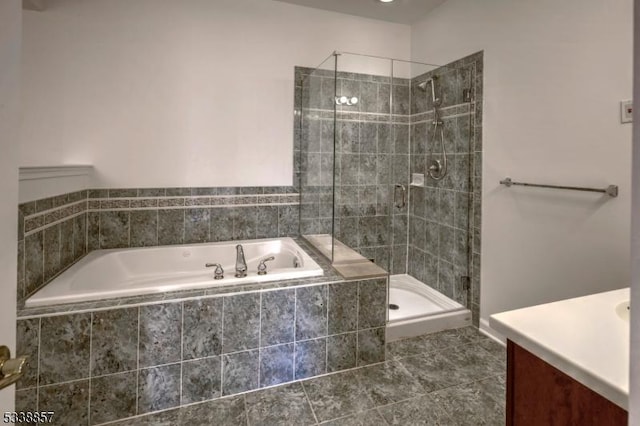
<point>421,309</point>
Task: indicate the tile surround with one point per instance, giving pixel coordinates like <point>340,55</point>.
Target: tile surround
<point>374,151</point>
<point>158,356</point>
<point>444,216</point>
<point>56,232</point>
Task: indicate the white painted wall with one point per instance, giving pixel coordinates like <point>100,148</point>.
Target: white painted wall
<point>634,384</point>
<point>554,75</point>
<point>178,93</point>
<point>10,27</point>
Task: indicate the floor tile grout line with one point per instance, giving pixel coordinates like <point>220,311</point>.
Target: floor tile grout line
<point>246,410</point>
<point>384,419</point>
<point>306,394</point>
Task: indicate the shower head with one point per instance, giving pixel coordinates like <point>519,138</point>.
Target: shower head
<point>432,81</point>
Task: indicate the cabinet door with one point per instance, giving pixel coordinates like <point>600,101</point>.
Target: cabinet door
<point>540,394</point>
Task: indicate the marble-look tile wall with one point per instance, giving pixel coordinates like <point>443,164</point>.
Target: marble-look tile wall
<point>444,216</point>
<point>371,154</point>
<point>95,367</point>
<point>56,232</point>
<point>52,235</point>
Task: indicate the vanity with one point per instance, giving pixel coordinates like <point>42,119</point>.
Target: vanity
<point>568,361</point>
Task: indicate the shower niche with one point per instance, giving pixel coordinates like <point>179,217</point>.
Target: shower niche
<point>388,169</point>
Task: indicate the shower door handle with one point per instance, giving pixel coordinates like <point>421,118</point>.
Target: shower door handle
<point>400,196</point>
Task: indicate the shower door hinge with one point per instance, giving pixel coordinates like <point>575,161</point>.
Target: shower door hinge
<point>466,95</point>
<point>465,282</point>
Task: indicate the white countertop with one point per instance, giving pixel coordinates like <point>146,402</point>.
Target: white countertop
<point>583,337</point>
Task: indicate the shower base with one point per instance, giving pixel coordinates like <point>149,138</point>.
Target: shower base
<point>421,309</point>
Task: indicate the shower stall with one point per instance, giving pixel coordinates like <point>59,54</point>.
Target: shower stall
<point>387,165</point>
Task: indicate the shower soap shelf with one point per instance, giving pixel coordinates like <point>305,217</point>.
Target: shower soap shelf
<point>417,179</point>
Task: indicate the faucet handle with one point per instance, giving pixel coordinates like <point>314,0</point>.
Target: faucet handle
<point>262,267</point>
<point>219,272</point>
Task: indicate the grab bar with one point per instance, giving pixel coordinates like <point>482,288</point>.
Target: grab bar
<point>611,190</point>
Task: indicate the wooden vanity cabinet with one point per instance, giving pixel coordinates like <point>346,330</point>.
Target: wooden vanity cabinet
<point>539,394</point>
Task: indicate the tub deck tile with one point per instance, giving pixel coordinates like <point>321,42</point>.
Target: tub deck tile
<point>114,345</point>
<point>160,334</point>
<point>241,327</point>
<point>64,348</point>
<point>278,312</point>
<point>202,328</point>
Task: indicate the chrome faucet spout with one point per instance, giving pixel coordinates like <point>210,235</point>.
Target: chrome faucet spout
<point>241,263</point>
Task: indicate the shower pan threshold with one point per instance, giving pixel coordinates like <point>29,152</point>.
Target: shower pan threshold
<point>421,309</point>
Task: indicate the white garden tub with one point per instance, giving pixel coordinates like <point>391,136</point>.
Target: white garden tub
<point>105,274</point>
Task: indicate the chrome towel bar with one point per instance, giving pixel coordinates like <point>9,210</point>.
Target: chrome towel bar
<point>611,190</point>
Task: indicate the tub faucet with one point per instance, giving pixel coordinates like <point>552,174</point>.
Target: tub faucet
<point>241,263</point>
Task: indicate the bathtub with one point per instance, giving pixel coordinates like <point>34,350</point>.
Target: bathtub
<point>105,274</point>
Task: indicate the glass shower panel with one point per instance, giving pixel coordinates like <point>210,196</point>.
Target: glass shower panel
<point>440,166</point>
<point>362,158</point>
<point>399,158</point>
<point>315,138</point>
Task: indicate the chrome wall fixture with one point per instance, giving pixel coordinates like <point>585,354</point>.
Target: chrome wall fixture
<point>437,168</point>
<point>345,100</point>
<point>611,190</point>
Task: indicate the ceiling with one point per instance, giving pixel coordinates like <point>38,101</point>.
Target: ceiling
<point>399,11</point>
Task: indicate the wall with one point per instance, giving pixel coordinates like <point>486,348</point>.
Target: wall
<point>10,26</point>
<point>554,74</point>
<point>634,377</point>
<point>189,93</point>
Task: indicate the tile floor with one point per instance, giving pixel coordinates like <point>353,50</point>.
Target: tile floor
<point>455,377</point>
